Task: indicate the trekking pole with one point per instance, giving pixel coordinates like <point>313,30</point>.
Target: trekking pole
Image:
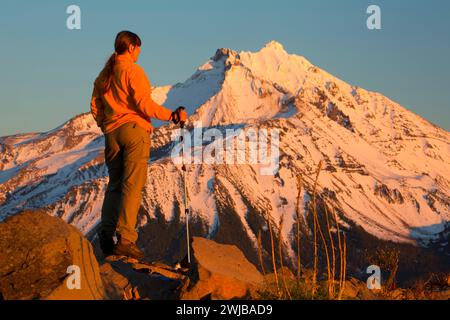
<point>186,208</point>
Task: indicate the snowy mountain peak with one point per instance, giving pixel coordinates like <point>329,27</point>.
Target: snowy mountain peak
<point>260,82</point>
<point>274,45</point>
<point>225,53</point>
<point>254,85</point>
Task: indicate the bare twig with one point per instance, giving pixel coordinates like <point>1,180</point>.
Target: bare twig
<point>297,212</point>
<point>280,253</point>
<point>322,237</point>
<point>333,255</point>
<point>314,278</point>
<point>260,256</point>
<point>274,264</point>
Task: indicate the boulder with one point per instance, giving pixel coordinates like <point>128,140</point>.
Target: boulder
<point>357,290</point>
<point>40,258</point>
<point>220,272</point>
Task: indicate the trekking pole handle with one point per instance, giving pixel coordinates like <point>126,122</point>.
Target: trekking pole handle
<point>182,123</point>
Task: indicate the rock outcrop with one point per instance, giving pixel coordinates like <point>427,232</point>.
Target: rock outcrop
<point>41,257</point>
<point>220,272</point>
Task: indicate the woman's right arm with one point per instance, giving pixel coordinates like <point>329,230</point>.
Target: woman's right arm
<point>141,91</point>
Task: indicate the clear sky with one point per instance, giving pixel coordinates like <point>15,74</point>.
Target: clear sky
<point>47,70</point>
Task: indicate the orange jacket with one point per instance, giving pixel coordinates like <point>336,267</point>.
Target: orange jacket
<point>128,100</point>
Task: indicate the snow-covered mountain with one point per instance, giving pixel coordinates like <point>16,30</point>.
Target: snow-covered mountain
<point>386,169</point>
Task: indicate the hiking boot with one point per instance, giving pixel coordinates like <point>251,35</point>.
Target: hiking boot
<point>128,249</point>
<point>106,244</point>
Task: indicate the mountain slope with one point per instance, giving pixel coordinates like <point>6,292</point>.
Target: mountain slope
<point>386,169</point>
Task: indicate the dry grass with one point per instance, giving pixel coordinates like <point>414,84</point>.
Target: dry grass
<point>344,266</point>
<point>329,248</point>
<point>331,284</point>
<point>272,249</point>
<point>342,256</point>
<point>280,253</point>
<point>326,229</point>
<point>334,250</point>
<point>315,226</point>
<point>297,213</point>
<point>327,254</point>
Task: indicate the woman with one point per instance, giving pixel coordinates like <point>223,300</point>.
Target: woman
<point>122,107</point>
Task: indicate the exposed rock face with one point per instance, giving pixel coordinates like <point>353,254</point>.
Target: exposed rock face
<point>35,253</point>
<point>392,196</point>
<point>231,57</point>
<point>222,272</point>
<point>224,52</point>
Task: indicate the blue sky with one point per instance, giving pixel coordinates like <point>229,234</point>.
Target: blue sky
<point>47,70</point>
